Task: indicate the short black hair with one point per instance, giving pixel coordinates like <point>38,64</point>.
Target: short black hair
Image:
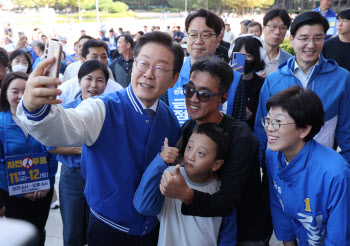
<point>255,23</point>
<point>92,65</point>
<point>166,40</point>
<point>85,37</point>
<point>345,14</point>
<point>18,53</point>
<point>309,18</point>
<point>4,57</point>
<point>218,135</point>
<point>217,68</point>
<point>4,103</point>
<point>43,36</point>
<point>40,46</point>
<point>246,22</point>
<point>282,13</point>
<point>93,43</point>
<point>211,20</point>
<point>140,32</point>
<point>128,39</point>
<point>251,46</point>
<point>303,105</point>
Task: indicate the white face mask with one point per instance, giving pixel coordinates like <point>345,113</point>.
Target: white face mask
<point>19,68</point>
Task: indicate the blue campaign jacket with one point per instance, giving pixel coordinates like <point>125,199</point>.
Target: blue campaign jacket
<point>331,83</point>
<point>114,164</point>
<point>310,198</point>
<point>177,98</point>
<point>18,144</point>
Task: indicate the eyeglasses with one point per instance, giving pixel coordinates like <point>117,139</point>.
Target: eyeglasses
<point>274,28</point>
<point>202,95</point>
<point>193,36</point>
<point>158,70</point>
<point>318,40</point>
<point>276,124</point>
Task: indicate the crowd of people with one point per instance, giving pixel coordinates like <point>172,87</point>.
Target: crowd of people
<point>163,142</point>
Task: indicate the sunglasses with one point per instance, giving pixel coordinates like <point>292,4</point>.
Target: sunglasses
<point>202,95</point>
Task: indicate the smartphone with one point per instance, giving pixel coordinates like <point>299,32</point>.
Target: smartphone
<point>239,60</point>
<point>20,34</point>
<point>53,49</point>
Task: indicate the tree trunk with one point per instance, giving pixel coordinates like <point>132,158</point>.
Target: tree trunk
<point>283,4</point>
<point>348,3</point>
<point>302,4</point>
<point>339,2</point>
<point>314,4</point>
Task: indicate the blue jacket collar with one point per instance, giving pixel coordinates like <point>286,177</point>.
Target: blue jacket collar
<point>135,101</point>
<point>297,165</point>
<point>324,66</point>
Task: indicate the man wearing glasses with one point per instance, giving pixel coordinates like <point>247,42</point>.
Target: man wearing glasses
<point>275,26</point>
<point>121,133</point>
<point>309,69</point>
<point>203,28</point>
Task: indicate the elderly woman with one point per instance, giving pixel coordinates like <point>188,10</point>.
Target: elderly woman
<point>309,183</point>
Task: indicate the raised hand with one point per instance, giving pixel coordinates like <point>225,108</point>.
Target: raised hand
<point>41,90</point>
<point>169,154</point>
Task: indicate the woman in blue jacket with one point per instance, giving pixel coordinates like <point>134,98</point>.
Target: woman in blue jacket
<point>309,183</point>
<point>19,193</point>
<point>93,76</point>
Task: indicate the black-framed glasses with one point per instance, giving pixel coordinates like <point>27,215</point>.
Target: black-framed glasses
<point>276,124</point>
<point>281,28</point>
<point>158,70</point>
<point>202,95</point>
<point>317,40</point>
<point>193,36</point>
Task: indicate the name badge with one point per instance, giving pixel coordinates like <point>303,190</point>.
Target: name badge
<point>27,173</point>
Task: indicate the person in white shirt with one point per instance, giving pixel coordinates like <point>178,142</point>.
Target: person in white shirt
<point>72,69</point>
<point>228,35</point>
<point>93,49</point>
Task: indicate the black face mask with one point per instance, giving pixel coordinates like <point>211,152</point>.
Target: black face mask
<point>249,66</point>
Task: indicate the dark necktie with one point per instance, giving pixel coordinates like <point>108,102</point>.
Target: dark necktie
<point>149,112</point>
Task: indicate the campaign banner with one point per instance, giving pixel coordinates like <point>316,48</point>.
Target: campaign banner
<point>332,26</point>
<point>27,173</point>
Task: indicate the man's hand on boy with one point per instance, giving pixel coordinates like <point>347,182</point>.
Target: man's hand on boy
<point>175,186</point>
<point>169,154</point>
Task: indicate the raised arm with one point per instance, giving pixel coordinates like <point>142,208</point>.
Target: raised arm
<point>50,123</point>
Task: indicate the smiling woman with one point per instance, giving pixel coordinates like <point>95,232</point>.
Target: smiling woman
<point>26,192</point>
<point>300,169</point>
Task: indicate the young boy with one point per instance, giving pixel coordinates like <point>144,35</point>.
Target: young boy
<point>203,155</point>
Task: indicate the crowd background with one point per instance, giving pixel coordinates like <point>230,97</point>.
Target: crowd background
<point>69,32</point>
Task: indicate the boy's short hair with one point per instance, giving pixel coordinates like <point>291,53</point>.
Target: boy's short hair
<point>309,18</point>
<point>93,43</point>
<point>164,39</point>
<point>345,14</point>
<point>218,135</point>
<point>255,23</point>
<point>282,13</point>
<point>217,69</point>
<point>303,105</point>
<point>4,58</point>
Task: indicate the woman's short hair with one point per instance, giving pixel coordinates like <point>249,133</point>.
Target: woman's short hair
<point>251,46</point>
<point>24,53</point>
<point>303,105</point>
<point>92,65</point>
<point>4,103</point>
